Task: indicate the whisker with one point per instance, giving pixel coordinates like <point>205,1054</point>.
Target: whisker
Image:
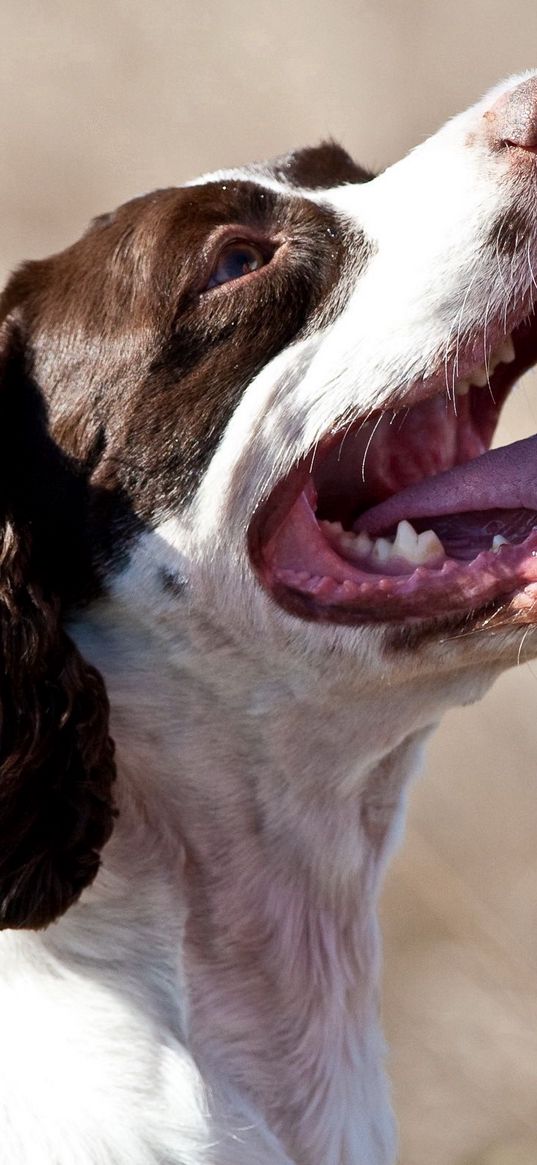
<point>464,634</point>
<point>514,256</point>
<point>404,416</point>
<point>453,396</point>
<point>347,431</point>
<point>313,455</point>
<point>491,394</point>
<point>521,646</point>
<point>450,394</point>
<point>497,249</point>
<point>375,427</point>
<point>530,268</point>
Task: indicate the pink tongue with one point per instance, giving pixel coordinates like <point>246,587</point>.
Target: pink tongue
<point>502,479</point>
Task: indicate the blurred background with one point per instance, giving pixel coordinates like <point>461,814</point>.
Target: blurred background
<point>101,101</point>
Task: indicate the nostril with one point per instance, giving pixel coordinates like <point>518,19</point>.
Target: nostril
<point>513,117</point>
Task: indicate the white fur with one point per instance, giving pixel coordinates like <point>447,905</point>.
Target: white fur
<point>213,998</point>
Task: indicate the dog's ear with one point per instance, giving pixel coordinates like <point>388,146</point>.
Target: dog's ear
<point>56,756</point>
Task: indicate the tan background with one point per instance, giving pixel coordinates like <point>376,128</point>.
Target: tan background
<point>99,101</point>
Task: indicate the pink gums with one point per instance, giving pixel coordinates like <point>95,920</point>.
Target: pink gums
<point>300,559</point>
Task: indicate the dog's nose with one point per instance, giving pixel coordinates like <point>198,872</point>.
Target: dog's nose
<point>512,120</point>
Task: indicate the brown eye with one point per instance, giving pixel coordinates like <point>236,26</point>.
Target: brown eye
<point>235,261</point>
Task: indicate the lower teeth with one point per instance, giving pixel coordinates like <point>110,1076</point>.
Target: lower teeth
<point>408,547</point>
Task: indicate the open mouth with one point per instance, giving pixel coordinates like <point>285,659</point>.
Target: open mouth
<point>409,514</point>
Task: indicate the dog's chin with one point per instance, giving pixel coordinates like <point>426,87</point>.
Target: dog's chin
<point>405,516</point>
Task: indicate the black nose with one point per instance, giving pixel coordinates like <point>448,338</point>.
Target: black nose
<point>512,120</point>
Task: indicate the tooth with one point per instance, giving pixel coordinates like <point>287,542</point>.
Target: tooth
<point>462,388</point>
<point>406,541</point>
<point>363,544</point>
<point>479,377</point>
<point>429,547</point>
<point>498,541</point>
<point>355,545</point>
<point>382,550</point>
<point>506,351</point>
<point>415,548</point>
<point>494,360</point>
<point>504,354</point>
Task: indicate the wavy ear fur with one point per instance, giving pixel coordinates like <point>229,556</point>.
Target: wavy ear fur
<point>56,756</point>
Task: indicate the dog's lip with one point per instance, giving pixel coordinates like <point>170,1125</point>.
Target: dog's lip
<point>332,590</point>
<point>329,588</point>
<point>463,356</point>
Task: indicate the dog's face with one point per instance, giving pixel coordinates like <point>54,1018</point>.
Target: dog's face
<point>269,395</point>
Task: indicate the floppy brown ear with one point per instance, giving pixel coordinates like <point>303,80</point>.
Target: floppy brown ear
<point>56,756</point>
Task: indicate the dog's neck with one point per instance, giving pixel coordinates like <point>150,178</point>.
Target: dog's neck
<point>261,814</point>
<point>287,999</point>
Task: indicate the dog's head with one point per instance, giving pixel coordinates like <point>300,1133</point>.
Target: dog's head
<point>267,396</point>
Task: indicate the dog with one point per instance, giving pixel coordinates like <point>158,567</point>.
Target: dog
<point>253,544</point>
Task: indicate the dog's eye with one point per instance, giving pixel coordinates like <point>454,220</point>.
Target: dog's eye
<point>235,261</point>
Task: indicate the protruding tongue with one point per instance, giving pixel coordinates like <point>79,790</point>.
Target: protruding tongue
<point>505,478</point>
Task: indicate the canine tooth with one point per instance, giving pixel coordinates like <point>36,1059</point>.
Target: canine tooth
<point>462,388</point>
<point>429,547</point>
<point>406,541</point>
<point>498,541</point>
<point>382,550</point>
<point>417,548</point>
<point>506,351</point>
